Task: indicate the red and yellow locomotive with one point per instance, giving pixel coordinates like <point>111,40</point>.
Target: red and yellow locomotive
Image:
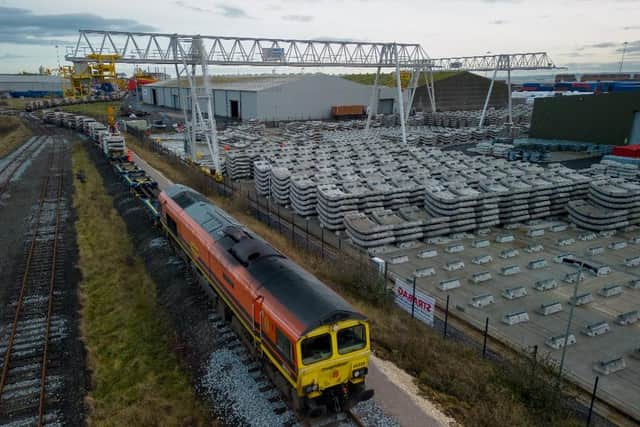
<point>314,343</point>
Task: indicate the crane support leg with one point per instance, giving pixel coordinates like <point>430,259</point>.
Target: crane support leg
<point>373,100</point>
<point>400,102</point>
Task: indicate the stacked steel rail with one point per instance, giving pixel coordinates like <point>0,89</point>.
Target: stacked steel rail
<point>27,386</point>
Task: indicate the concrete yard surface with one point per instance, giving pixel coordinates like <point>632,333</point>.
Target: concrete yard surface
<point>516,265</point>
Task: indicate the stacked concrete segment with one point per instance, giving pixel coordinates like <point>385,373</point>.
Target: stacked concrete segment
<point>611,203</point>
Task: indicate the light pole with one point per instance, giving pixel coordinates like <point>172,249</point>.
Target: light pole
<point>624,49</point>
<point>571,311</point>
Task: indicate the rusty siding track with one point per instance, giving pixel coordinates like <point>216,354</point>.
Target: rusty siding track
<point>27,389</point>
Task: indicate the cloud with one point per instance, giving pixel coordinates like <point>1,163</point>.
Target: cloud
<point>632,48</point>
<point>499,22</point>
<point>298,18</point>
<point>6,56</point>
<point>231,11</point>
<point>219,9</point>
<point>22,26</point>
<point>186,5</point>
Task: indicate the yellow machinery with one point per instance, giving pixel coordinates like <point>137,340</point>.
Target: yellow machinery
<point>81,77</point>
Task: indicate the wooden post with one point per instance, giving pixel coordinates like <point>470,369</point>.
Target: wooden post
<point>484,342</point>
<point>446,318</point>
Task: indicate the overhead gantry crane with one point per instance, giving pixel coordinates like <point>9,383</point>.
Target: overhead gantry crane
<point>189,52</point>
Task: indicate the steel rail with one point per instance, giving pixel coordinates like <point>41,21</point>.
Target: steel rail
<point>25,279</point>
<point>52,280</point>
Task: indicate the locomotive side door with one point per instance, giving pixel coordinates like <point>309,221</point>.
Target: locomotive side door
<point>257,318</point>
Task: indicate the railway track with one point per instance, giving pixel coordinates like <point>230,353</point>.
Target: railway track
<point>235,361</point>
<point>26,152</point>
<point>31,332</point>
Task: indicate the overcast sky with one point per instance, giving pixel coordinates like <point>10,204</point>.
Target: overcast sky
<point>582,34</point>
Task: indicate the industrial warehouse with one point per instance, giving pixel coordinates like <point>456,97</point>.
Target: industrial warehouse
<point>263,231</point>
<point>271,98</point>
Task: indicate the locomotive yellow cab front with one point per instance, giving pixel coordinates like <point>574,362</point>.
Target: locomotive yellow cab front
<point>335,360</point>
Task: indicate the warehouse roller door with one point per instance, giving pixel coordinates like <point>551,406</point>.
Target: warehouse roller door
<point>385,106</point>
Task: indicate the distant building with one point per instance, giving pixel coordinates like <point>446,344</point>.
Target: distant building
<point>271,97</point>
<point>461,91</point>
<point>30,85</point>
<point>597,77</point>
<point>609,118</point>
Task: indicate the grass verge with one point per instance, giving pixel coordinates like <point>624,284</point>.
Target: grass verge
<point>98,110</point>
<point>473,391</point>
<point>136,379</point>
<point>13,133</point>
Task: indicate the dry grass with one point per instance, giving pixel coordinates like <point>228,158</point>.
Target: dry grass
<point>136,379</point>
<point>16,103</point>
<point>97,110</point>
<point>13,133</point>
<point>473,391</point>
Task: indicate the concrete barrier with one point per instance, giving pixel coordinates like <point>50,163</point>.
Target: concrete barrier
<point>566,241</point>
<point>572,277</point>
<point>447,285</point>
<point>635,240</point>
<point>602,270</point>
<point>424,272</point>
<point>581,299</point>
<point>480,243</point>
<point>587,236</point>
<point>557,228</point>
<point>618,245</point>
<point>610,365</point>
<point>535,232</point>
<point>515,318</point>
<point>504,238</point>
<point>534,249</point>
<point>597,328</point>
<point>550,308</point>
<point>515,292</point>
<point>483,300</point>
<point>558,341</point>
<point>595,250</point>
<point>607,233</point>
<point>483,276</point>
<point>510,270</point>
<point>537,264</point>
<point>610,291</point>
<point>454,248</point>
<point>632,261</point>
<point>482,259</point>
<point>634,284</point>
<point>454,265</point>
<point>628,318</point>
<point>509,253</point>
<point>545,285</point>
<point>427,253</point>
<point>400,259</point>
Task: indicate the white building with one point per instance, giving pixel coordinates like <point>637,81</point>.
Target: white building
<point>30,85</point>
<point>272,98</point>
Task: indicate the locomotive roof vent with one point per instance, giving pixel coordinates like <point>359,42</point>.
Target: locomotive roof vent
<point>236,233</point>
<point>248,251</point>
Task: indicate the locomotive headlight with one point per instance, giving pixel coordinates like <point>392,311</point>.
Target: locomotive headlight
<point>310,388</point>
<point>360,372</point>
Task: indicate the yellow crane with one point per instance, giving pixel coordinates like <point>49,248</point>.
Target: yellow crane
<point>80,77</point>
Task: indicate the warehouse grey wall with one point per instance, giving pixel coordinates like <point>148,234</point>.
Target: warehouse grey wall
<point>307,97</point>
<point>311,97</point>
